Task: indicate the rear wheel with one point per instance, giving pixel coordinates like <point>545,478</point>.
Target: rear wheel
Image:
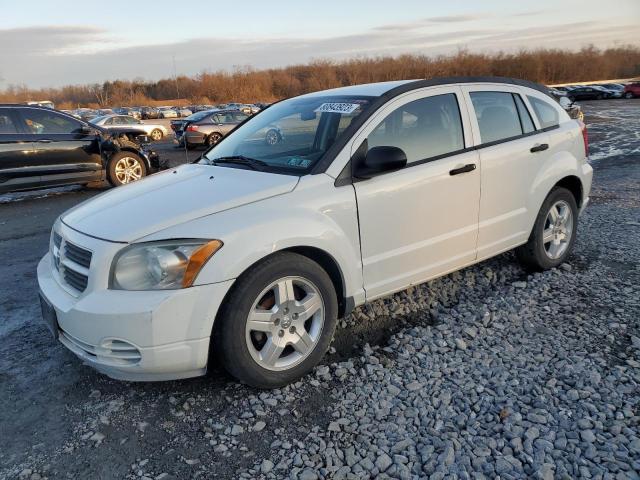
<point>125,167</point>
<point>213,139</point>
<point>553,234</point>
<point>277,322</point>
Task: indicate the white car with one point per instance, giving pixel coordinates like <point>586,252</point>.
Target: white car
<point>155,130</point>
<point>167,112</point>
<point>253,252</point>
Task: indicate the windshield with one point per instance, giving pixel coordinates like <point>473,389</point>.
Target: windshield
<point>291,136</point>
<point>199,116</point>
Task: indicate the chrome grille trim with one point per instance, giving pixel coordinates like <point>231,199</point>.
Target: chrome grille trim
<point>71,263</point>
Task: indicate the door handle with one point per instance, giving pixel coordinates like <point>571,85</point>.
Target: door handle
<point>44,140</point>
<point>539,147</point>
<point>470,167</point>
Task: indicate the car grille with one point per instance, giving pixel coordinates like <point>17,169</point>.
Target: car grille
<point>72,263</point>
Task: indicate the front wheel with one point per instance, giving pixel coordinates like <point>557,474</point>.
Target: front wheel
<point>277,322</point>
<point>213,139</point>
<point>553,234</point>
<point>628,95</point>
<point>125,167</point>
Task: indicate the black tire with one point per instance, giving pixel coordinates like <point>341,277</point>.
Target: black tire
<point>532,255</point>
<point>572,98</point>
<point>628,95</point>
<point>111,168</point>
<point>272,137</point>
<point>599,97</point>
<point>156,134</point>
<point>229,336</point>
<point>213,139</point>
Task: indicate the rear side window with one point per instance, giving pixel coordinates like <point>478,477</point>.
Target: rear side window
<point>497,115</point>
<point>423,129</point>
<point>546,113</point>
<point>7,126</point>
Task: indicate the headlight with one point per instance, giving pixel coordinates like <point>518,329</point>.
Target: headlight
<point>161,265</point>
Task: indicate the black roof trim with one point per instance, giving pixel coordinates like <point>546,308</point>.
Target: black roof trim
<point>330,155</point>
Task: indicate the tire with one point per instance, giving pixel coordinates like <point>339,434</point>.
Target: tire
<point>240,348</point>
<point>539,255</point>
<point>573,99</point>
<point>272,137</point>
<point>156,134</point>
<point>125,167</point>
<point>599,97</point>
<point>628,95</point>
<point>213,139</point>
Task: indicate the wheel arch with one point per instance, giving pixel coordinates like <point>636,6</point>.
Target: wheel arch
<point>574,185</point>
<point>147,162</point>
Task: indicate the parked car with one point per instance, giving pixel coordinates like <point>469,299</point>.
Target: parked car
<point>585,93</point>
<point>127,111</point>
<point>167,112</point>
<point>632,90</point>
<point>207,128</point>
<point>42,147</point>
<point>616,89</point>
<point>135,112</point>
<point>155,130</point>
<point>149,113</point>
<point>183,112</point>
<point>608,92</point>
<point>258,249</point>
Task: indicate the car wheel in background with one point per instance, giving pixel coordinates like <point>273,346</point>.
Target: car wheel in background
<point>553,234</point>
<point>571,98</point>
<point>599,97</point>
<point>125,167</point>
<point>213,139</point>
<point>156,134</point>
<point>628,95</point>
<point>277,321</point>
<point>272,137</point>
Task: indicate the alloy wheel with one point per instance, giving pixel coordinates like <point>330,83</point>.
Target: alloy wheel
<point>558,229</point>
<point>285,323</point>
<point>128,169</point>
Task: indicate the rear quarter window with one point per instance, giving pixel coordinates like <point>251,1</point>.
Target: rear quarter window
<point>547,114</point>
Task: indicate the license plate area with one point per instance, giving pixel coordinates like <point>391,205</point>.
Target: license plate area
<point>49,316</point>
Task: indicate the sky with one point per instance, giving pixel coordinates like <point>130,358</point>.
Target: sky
<point>47,43</point>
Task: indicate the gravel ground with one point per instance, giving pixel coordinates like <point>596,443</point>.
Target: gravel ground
<point>484,373</point>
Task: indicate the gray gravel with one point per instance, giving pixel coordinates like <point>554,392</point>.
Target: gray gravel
<point>485,373</point>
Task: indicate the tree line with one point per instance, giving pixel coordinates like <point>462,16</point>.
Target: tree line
<point>546,66</point>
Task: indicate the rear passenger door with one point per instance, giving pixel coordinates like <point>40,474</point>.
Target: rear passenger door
<point>16,154</point>
<point>512,150</point>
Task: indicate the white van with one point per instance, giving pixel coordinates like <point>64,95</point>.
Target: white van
<point>252,253</point>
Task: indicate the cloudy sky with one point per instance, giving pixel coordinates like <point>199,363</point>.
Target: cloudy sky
<point>45,43</point>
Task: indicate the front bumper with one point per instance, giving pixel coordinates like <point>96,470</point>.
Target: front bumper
<point>137,336</point>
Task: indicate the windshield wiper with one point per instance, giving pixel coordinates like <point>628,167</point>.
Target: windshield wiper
<point>252,163</point>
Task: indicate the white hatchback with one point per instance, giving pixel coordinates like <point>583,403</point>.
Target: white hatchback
<point>251,254</point>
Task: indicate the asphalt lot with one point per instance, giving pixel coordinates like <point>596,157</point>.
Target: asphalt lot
<point>60,419</point>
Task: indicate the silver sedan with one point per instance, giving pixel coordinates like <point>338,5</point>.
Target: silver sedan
<point>155,130</point>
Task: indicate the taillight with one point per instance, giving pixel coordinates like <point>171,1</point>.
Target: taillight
<point>585,137</point>
<point>192,128</point>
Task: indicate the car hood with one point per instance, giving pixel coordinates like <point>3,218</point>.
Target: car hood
<point>128,213</point>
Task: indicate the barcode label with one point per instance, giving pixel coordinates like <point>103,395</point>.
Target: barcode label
<point>345,108</point>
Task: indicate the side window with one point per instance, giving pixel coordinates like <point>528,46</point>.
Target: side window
<point>497,115</point>
<point>216,119</point>
<point>546,113</point>
<point>108,121</point>
<point>240,117</point>
<point>7,126</point>
<point>44,122</point>
<point>525,117</point>
<point>423,129</point>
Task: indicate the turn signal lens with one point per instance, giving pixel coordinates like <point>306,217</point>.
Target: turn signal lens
<point>197,260</point>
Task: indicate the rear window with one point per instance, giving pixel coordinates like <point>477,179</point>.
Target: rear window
<point>497,116</point>
<point>546,113</point>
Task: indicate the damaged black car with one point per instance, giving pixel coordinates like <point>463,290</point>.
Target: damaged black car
<point>41,147</point>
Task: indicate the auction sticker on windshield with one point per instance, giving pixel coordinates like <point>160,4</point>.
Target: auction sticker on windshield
<point>345,108</point>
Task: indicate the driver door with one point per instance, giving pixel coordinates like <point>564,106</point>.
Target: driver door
<point>421,221</point>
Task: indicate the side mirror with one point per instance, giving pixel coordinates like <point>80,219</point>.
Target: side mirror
<point>86,130</point>
<point>380,160</point>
